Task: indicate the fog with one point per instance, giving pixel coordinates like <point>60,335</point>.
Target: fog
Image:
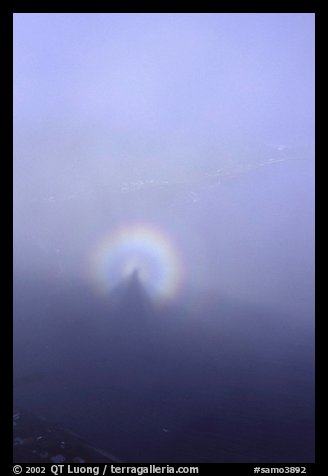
<point>164,232</point>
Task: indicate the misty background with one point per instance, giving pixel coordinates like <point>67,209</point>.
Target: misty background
<point>202,126</point>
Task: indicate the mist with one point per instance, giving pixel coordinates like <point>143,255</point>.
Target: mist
<point>164,232</point>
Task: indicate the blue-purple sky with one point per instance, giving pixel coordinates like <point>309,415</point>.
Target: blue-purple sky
<point>128,118</point>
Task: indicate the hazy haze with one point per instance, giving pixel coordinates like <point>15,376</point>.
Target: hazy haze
<point>192,133</point>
